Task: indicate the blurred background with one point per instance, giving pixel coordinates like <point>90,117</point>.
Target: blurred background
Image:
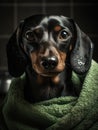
<point>84,12</point>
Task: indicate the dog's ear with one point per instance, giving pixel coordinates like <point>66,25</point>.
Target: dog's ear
<point>81,55</point>
<point>15,56</point>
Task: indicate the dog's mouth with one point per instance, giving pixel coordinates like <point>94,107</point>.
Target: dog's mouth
<point>48,73</point>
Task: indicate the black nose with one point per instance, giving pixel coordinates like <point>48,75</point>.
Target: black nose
<point>49,62</point>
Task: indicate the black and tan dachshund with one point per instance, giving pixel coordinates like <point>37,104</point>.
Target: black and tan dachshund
<point>48,49</point>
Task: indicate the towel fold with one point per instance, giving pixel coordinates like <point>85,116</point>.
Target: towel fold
<point>63,113</point>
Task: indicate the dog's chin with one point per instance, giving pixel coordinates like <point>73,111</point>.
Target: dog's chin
<point>51,74</point>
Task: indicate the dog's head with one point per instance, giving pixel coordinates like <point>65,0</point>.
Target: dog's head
<point>48,44</point>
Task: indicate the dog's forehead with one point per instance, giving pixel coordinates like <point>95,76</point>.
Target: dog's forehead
<point>48,22</point>
<point>53,20</point>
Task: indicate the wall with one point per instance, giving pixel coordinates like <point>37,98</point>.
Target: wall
<point>12,11</point>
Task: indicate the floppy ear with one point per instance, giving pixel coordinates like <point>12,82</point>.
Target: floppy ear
<point>16,58</point>
<point>81,55</point>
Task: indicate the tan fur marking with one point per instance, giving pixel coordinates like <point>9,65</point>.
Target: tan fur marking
<point>55,79</point>
<point>39,79</point>
<point>57,28</point>
<point>35,62</point>
<point>33,57</point>
<point>37,30</point>
<point>61,61</point>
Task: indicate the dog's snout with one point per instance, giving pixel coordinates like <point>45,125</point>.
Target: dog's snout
<point>49,63</point>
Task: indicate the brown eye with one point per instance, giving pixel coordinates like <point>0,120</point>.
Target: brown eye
<point>63,35</point>
<point>30,35</point>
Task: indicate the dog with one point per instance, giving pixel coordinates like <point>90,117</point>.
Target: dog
<point>48,48</point>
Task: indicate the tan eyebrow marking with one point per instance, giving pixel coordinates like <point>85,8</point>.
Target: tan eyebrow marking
<point>57,28</point>
<point>37,30</point>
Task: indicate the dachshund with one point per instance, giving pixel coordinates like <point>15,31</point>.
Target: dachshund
<point>48,48</point>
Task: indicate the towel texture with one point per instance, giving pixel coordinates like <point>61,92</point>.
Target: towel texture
<point>63,113</point>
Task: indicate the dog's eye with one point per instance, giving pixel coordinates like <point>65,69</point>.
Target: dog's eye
<point>63,35</point>
<point>30,35</point>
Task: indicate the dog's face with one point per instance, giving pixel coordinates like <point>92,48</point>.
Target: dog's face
<point>47,44</point>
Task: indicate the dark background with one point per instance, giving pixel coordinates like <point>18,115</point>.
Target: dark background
<point>84,12</point>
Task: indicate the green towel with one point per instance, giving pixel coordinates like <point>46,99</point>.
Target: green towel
<point>63,113</point>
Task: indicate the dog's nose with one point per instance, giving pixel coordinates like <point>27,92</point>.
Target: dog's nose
<point>49,63</point>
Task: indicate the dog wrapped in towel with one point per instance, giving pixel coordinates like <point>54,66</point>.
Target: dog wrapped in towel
<point>56,81</point>
<point>63,113</point>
